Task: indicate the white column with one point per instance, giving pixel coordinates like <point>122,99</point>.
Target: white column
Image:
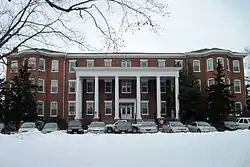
<point>96,115</point>
<point>177,103</point>
<point>138,98</point>
<point>158,96</point>
<point>117,97</point>
<point>78,98</point>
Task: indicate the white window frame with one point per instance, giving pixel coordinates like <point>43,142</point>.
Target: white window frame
<point>87,105</point>
<point>177,62</point>
<point>71,61</point>
<point>42,102</point>
<point>108,81</point>
<point>222,61</point>
<point>238,64</point>
<point>238,103</point>
<point>32,61</point>
<point>106,103</point>
<point>72,81</point>
<point>209,80</point>
<point>43,64</point>
<point>212,68</point>
<point>54,65</point>
<point>11,66</point>
<point>228,64</point>
<point>161,63</point>
<point>40,79</point>
<point>165,103</point>
<point>199,70</point>
<point>143,63</point>
<point>145,102</point>
<point>51,104</point>
<point>126,63</point>
<point>87,86</point>
<point>163,86</point>
<point>144,81</point>
<point>237,80</point>
<point>127,85</point>
<point>107,62</point>
<point>90,61</point>
<point>70,112</point>
<point>51,86</point>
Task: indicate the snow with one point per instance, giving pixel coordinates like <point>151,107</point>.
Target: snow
<point>58,149</point>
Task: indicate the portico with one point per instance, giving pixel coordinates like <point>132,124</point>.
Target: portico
<point>131,107</point>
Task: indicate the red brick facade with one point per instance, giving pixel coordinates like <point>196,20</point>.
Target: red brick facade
<point>63,76</point>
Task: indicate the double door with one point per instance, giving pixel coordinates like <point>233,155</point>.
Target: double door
<point>126,111</point>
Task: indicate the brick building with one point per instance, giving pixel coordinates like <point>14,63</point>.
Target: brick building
<point>110,86</point>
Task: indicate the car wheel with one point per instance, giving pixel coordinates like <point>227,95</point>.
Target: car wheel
<point>109,130</point>
<point>171,131</point>
<point>135,130</point>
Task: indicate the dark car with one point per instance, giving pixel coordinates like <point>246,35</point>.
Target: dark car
<point>75,127</point>
<point>123,127</point>
<point>9,129</point>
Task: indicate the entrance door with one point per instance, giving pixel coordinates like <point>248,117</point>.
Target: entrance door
<point>126,111</point>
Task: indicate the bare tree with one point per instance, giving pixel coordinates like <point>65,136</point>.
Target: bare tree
<point>28,23</point>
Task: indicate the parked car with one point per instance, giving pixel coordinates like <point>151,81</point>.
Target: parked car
<point>50,127</point>
<point>243,122</point>
<point>97,127</point>
<point>75,127</point>
<point>174,127</point>
<point>111,127</point>
<point>230,125</point>
<point>148,127</point>
<point>27,126</point>
<point>123,127</point>
<point>8,129</point>
<point>201,126</point>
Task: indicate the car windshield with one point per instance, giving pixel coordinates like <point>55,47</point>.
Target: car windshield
<point>74,123</point>
<point>97,124</point>
<point>1,125</point>
<point>28,125</point>
<point>202,124</point>
<point>176,124</point>
<point>147,123</point>
<point>50,125</point>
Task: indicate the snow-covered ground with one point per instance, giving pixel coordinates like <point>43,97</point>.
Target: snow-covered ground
<point>227,149</point>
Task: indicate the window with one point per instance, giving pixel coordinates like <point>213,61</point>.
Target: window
<point>108,86</point>
<point>126,86</point>
<point>40,108</point>
<point>108,62</point>
<point>54,86</point>
<point>144,86</point>
<point>210,82</point>
<point>72,65</point>
<point>238,106</point>
<point>90,63</point>
<point>210,64</point>
<point>40,85</point>
<point>14,66</point>
<point>143,63</point>
<point>221,60</point>
<point>199,83</point>
<point>53,109</point>
<point>161,63</point>
<point>32,63</point>
<point>144,107</point>
<point>90,86</point>
<point>196,65</point>
<point>236,66</point>
<point>90,107</point>
<point>227,65</point>
<point>108,107</point>
<point>237,86</point>
<point>163,108</point>
<point>126,63</point>
<point>42,64</point>
<point>72,86</point>
<point>163,87</point>
<point>72,108</point>
<point>178,63</point>
<point>54,66</point>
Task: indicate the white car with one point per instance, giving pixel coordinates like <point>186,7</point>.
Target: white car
<point>174,127</point>
<point>27,126</point>
<point>201,126</point>
<point>148,127</point>
<point>243,122</point>
<point>97,127</point>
